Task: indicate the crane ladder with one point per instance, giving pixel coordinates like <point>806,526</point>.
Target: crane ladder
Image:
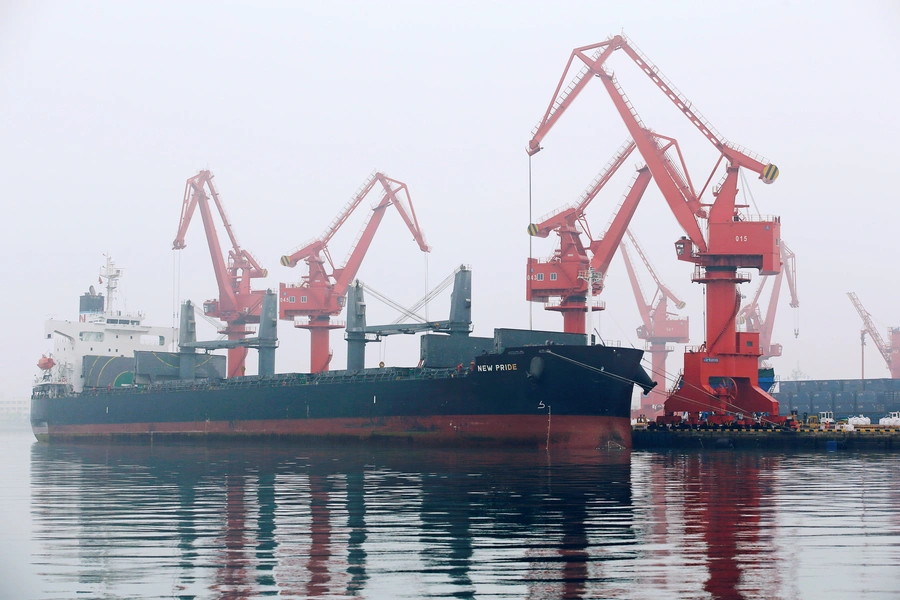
<point>561,98</point>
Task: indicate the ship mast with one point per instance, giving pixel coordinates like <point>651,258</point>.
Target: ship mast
<point>112,274</point>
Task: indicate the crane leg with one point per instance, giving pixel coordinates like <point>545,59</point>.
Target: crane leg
<point>320,350</point>
<point>573,321</point>
<point>236,356</point>
<point>729,386</point>
<point>236,359</point>
<point>723,378</point>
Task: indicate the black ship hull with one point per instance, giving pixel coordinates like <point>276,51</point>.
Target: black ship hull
<point>561,396</point>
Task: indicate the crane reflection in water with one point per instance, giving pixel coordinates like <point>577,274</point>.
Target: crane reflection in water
<point>254,520</point>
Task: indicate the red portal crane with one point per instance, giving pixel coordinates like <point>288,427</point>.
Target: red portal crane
<point>721,376</point>
<point>752,315</point>
<point>321,294</point>
<point>890,352</point>
<point>237,304</point>
<point>561,276</point>
<point>658,328</point>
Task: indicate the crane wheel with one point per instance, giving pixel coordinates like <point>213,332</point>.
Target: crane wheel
<point>769,174</point>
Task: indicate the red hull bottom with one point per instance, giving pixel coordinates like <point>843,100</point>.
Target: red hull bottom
<point>565,432</point>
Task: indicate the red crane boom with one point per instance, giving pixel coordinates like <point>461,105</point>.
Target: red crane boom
<point>722,376</point>
<point>752,315</point>
<point>558,276</point>
<point>658,327</point>
<point>890,352</point>
<point>321,294</point>
<point>237,304</point>
<point>568,215</point>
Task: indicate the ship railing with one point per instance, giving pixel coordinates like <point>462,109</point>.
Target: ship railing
<point>649,346</point>
<point>283,380</point>
<point>597,305</point>
<point>128,315</point>
<point>610,343</point>
<point>761,218</point>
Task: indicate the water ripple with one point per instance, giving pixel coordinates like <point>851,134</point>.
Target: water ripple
<point>262,520</point>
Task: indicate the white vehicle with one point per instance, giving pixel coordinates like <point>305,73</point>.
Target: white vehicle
<point>892,419</point>
<point>826,417</point>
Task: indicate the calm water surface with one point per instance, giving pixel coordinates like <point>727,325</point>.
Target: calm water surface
<point>248,521</point>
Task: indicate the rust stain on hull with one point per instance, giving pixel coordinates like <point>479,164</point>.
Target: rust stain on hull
<point>568,432</point>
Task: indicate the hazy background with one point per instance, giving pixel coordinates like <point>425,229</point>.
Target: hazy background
<point>107,108</point>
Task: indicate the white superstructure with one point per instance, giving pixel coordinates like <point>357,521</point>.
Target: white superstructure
<point>99,331</point>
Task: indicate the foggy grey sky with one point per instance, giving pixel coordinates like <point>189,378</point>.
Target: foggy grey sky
<point>107,108</point>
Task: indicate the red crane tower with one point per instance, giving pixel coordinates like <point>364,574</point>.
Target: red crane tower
<point>321,294</point>
<point>237,304</point>
<point>890,352</point>
<point>752,315</point>
<point>658,328</point>
<point>721,376</point>
<point>562,275</point>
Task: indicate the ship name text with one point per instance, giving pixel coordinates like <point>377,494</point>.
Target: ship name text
<point>498,367</point>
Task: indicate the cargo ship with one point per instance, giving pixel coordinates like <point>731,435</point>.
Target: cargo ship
<point>517,388</point>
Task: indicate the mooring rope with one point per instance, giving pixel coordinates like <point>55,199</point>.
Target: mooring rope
<point>734,408</point>
<point>592,368</point>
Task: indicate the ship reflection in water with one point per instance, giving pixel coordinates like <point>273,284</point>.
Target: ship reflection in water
<point>259,520</point>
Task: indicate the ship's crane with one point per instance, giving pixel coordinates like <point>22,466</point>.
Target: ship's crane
<point>722,375</point>
<point>658,328</point>
<point>322,294</point>
<point>237,305</point>
<point>890,352</point>
<point>561,276</point>
<point>751,314</point>
<point>458,326</point>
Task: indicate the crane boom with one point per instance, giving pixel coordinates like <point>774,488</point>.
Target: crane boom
<point>195,195</point>
<point>663,288</point>
<point>731,241</point>
<point>561,276</point>
<point>237,305</point>
<point>346,274</point>
<point>658,328</point>
<point>890,352</point>
<point>789,264</point>
<point>648,309</point>
<point>604,249</point>
<point>640,299</point>
<point>567,215</point>
<point>322,294</point>
<point>789,272</point>
<point>563,99</point>
<point>318,244</point>
<point>674,184</point>
<point>674,187</point>
<point>751,313</point>
<point>735,154</point>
